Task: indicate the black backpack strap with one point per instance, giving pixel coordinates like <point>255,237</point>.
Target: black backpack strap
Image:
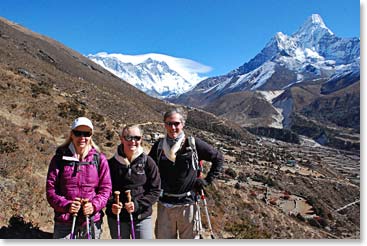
<point>195,157</point>
<point>96,162</point>
<point>159,150</point>
<point>61,163</point>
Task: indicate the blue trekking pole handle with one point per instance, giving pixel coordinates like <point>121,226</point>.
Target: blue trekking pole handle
<point>117,199</point>
<point>131,216</point>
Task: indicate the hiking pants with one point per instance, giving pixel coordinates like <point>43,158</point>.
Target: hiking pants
<point>143,228</point>
<point>63,231</point>
<point>175,221</point>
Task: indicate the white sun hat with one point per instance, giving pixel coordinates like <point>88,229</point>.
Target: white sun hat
<point>82,121</point>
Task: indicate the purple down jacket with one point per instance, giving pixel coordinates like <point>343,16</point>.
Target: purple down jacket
<point>65,182</point>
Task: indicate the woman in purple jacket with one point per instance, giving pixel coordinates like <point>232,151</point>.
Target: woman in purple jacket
<point>78,184</point>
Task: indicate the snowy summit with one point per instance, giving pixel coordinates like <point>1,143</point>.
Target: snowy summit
<point>155,74</point>
<point>312,52</point>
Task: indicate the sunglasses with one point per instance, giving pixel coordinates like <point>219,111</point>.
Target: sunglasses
<point>176,124</point>
<point>131,138</point>
<point>81,133</point>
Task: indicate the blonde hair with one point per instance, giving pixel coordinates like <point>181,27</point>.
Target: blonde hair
<point>130,126</point>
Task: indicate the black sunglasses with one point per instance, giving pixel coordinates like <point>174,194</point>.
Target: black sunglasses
<point>131,138</point>
<point>176,124</point>
<point>81,133</point>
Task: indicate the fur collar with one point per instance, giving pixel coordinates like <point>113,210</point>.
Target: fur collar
<point>121,157</point>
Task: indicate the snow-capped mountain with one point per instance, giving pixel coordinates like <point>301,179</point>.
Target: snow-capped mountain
<point>305,84</point>
<point>155,74</point>
<point>309,52</point>
<point>312,52</point>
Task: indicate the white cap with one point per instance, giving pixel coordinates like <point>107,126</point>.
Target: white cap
<point>82,121</point>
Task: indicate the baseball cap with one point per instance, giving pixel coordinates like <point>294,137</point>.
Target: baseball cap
<point>82,121</point>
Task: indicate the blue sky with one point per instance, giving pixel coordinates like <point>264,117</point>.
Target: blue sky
<point>222,34</point>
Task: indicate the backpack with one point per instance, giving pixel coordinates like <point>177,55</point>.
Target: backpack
<point>62,162</point>
<point>196,164</point>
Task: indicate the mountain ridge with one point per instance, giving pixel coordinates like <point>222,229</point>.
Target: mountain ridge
<point>157,75</point>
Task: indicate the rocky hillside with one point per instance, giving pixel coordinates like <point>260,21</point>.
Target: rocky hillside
<point>268,189</point>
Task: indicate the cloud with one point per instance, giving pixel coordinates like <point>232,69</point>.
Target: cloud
<point>192,66</point>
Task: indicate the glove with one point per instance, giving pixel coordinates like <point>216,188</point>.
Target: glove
<point>200,184</point>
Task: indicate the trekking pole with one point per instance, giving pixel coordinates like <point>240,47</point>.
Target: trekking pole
<point>207,214</point>
<point>74,220</point>
<point>73,226</point>
<point>199,225</point>
<point>87,220</point>
<point>117,194</point>
<point>198,213</point>
<point>131,216</point>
